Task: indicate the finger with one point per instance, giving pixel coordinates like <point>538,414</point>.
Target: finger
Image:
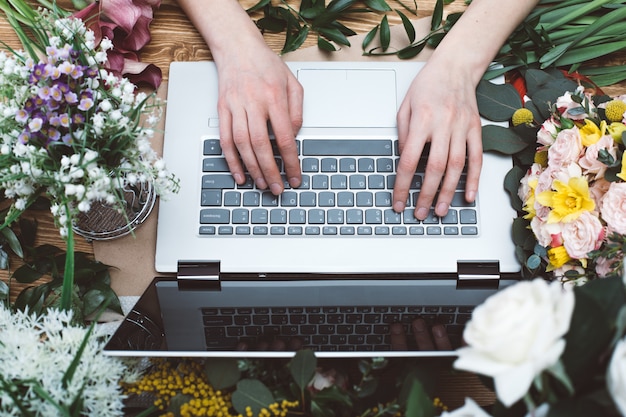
<point>295,98</point>
<point>278,345</point>
<point>242,140</point>
<point>422,336</point>
<point>262,148</point>
<point>286,142</point>
<point>228,147</point>
<point>435,168</point>
<point>440,337</point>
<point>407,164</point>
<point>454,168</point>
<point>295,343</point>
<point>398,337</point>
<point>474,161</point>
<point>403,118</point>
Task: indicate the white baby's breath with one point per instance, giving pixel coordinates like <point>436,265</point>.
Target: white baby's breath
<point>41,349</point>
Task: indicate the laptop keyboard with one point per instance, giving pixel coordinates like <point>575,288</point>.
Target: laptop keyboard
<point>337,328</point>
<point>346,190</point>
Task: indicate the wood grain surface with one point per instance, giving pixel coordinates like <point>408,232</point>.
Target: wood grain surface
<point>175,39</point>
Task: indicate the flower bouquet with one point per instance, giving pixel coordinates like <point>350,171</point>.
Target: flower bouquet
<point>569,180</point>
<point>70,130</point>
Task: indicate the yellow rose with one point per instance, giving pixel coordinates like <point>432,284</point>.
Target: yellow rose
<point>616,129</point>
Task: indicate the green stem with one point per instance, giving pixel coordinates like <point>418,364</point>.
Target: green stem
<point>67,290</point>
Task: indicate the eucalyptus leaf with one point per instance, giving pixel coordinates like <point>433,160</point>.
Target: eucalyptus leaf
<point>176,402</point>
<point>4,259</point>
<point>4,291</point>
<point>334,35</point>
<point>258,6</point>
<point>222,372</point>
<point>511,185</point>
<point>497,102</point>
<point>520,231</point>
<point>251,393</point>
<point>302,367</point>
<point>533,262</point>
<point>502,140</point>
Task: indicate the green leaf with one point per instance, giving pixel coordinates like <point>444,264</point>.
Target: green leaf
<point>591,327</point>
<point>497,102</point>
<point>25,274</point>
<point>4,259</point>
<point>324,45</point>
<point>4,291</point>
<point>409,29</point>
<point>258,6</point>
<point>437,16</point>
<point>385,33</point>
<point>13,241</point>
<point>511,185</point>
<point>418,404</point>
<point>370,37</point>
<point>251,393</point>
<point>334,35</point>
<point>302,367</point>
<point>378,5</point>
<point>177,402</point>
<point>411,50</point>
<point>222,372</point>
<point>502,140</point>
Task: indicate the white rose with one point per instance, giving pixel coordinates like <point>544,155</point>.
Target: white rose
<point>582,235</point>
<point>613,207</point>
<point>516,334</point>
<point>469,409</point>
<point>616,376</point>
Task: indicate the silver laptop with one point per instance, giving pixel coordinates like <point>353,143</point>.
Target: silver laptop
<point>250,265</point>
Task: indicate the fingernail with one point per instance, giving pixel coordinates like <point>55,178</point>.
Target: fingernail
<point>419,325</point>
<point>260,183</point>
<point>442,208</point>
<point>439,332</point>
<point>238,178</point>
<point>276,188</point>
<point>471,196</point>
<point>422,213</point>
<point>294,182</point>
<point>398,206</point>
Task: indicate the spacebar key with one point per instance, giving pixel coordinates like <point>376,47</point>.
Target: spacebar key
<point>347,147</point>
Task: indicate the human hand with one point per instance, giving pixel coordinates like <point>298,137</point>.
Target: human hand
<point>434,339</point>
<point>256,87</point>
<point>440,108</point>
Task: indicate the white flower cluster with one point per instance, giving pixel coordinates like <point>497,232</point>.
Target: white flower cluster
<point>77,132</point>
<point>40,350</point>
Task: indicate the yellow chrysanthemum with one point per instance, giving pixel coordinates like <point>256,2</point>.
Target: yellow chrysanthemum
<point>590,133</point>
<point>616,129</point>
<point>522,116</point>
<point>558,257</point>
<point>622,173</point>
<point>615,110</point>
<point>567,201</point>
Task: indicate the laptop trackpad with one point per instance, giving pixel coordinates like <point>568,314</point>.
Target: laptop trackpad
<point>349,98</point>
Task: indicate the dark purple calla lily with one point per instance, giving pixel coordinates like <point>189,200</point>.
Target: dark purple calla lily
<point>126,23</point>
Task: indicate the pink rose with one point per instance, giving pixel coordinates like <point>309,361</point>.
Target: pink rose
<point>613,207</point>
<point>547,133</point>
<point>582,235</point>
<point>605,267</point>
<point>565,104</point>
<point>524,190</point>
<point>589,161</point>
<point>597,189</point>
<point>567,148</point>
<point>544,231</point>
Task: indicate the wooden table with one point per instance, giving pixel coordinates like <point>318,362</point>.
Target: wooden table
<point>175,39</point>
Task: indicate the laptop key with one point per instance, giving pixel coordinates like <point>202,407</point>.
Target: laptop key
<point>214,216</point>
<point>212,147</point>
<point>347,147</point>
<point>214,165</point>
<point>217,181</point>
<point>211,198</point>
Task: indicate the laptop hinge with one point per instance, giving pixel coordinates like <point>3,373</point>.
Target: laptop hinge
<point>478,274</point>
<point>195,275</point>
